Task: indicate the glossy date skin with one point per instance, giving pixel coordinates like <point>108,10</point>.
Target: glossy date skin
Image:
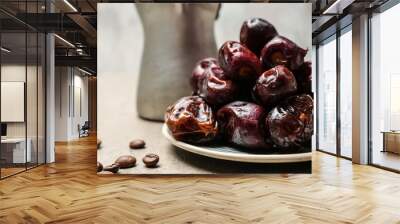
<point>190,119</point>
<point>241,124</point>
<point>200,72</point>
<point>255,33</point>
<point>210,83</point>
<point>282,51</point>
<point>274,85</point>
<point>290,124</point>
<point>238,62</point>
<point>304,78</point>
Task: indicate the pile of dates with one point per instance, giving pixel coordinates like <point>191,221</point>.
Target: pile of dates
<point>256,95</point>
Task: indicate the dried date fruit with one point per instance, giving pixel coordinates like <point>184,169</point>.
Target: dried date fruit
<point>210,82</point>
<point>255,33</point>
<point>304,78</point>
<point>238,62</point>
<point>200,73</point>
<point>241,123</point>
<point>274,85</point>
<point>191,119</point>
<point>282,51</point>
<point>290,124</point>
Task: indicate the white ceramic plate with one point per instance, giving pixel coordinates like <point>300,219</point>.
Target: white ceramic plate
<point>234,154</point>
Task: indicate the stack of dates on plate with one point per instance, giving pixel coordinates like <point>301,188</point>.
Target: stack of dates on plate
<point>256,95</point>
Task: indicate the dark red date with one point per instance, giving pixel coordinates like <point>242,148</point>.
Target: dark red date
<point>191,119</point>
<point>304,78</point>
<point>282,51</point>
<point>255,33</point>
<point>274,85</point>
<point>290,124</point>
<point>200,72</point>
<point>210,82</point>
<point>241,123</point>
<point>238,62</point>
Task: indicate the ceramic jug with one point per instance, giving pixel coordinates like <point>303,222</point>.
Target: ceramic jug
<point>176,36</point>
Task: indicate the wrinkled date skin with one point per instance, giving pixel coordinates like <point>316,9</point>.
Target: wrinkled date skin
<point>274,85</point>
<point>290,124</point>
<point>200,72</point>
<point>190,119</point>
<point>211,84</point>
<point>238,62</point>
<point>241,123</point>
<point>282,51</point>
<point>304,77</point>
<point>255,33</point>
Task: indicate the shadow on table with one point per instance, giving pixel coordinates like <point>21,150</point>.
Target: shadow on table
<point>231,167</point>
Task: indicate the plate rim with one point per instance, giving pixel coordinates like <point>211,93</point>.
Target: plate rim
<point>252,158</point>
